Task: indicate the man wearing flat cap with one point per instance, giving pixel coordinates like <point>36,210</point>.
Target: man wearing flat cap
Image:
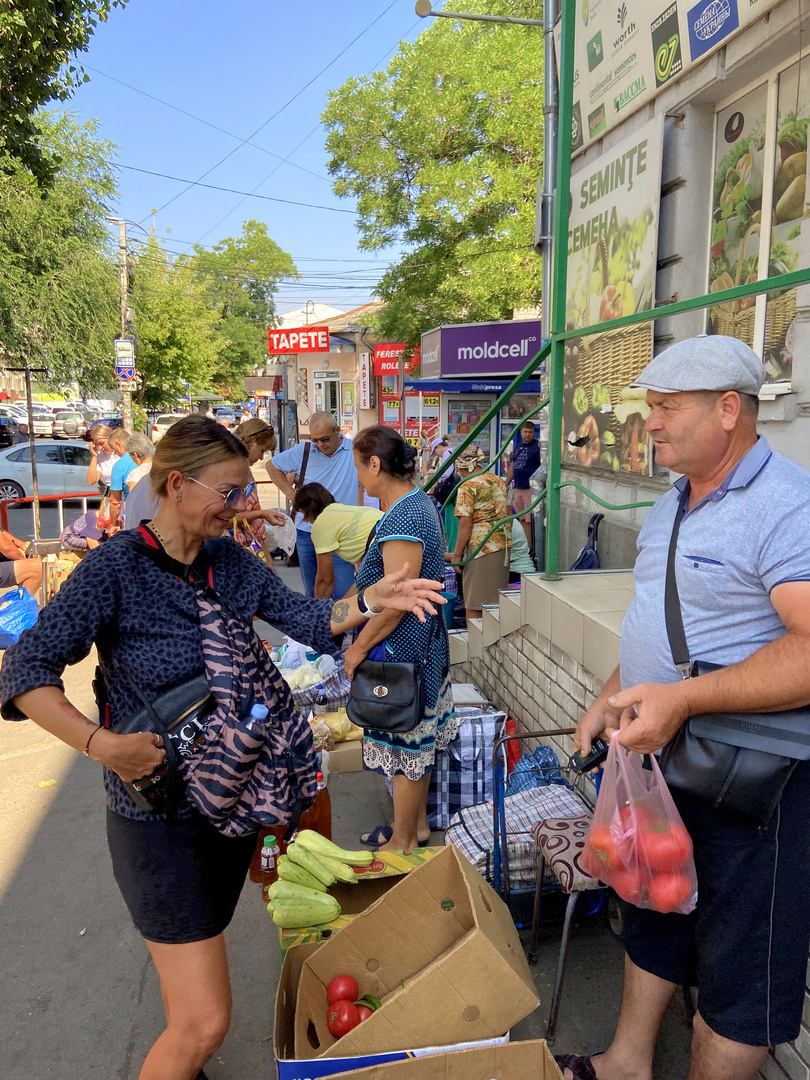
<point>731,544</point>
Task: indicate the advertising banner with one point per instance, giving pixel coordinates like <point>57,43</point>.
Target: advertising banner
<point>612,246</point>
<point>364,366</point>
<point>386,359</point>
<point>301,339</point>
<point>489,348</point>
<point>627,50</point>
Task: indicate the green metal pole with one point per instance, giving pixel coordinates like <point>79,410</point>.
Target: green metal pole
<point>559,290</point>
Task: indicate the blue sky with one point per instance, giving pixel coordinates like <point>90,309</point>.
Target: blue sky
<point>234,65</point>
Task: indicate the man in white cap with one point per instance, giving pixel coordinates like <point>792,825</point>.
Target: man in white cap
<point>741,562</point>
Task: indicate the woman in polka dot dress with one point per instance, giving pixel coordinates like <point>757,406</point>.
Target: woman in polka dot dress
<point>408,532</point>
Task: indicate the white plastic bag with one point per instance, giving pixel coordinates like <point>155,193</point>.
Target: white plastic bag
<point>285,536</point>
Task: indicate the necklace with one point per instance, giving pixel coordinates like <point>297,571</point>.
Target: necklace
<point>158,535</point>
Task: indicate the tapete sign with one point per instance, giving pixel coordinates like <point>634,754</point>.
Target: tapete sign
<point>626,50</point>
<point>490,348</point>
<point>303,339</point>
<point>364,366</point>
<point>386,359</point>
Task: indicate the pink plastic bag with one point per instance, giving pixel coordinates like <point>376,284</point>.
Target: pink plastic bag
<point>637,842</point>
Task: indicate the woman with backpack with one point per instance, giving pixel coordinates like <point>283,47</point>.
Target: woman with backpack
<point>167,605</point>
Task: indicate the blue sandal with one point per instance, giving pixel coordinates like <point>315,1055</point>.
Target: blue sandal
<point>381,835</point>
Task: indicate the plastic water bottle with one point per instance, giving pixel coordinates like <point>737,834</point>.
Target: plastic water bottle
<point>258,714</point>
<point>268,860</point>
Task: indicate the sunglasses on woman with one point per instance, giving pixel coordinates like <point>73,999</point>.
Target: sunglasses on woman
<point>231,497</point>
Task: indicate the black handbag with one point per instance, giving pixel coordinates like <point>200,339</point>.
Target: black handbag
<point>179,716</point>
<point>738,762</point>
<point>389,695</point>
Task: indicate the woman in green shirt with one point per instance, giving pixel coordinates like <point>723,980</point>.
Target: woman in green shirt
<point>336,530</point>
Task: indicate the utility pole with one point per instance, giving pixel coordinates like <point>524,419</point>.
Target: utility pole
<point>124,279</point>
<point>31,441</point>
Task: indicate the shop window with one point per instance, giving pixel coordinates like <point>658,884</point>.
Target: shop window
<point>760,192</point>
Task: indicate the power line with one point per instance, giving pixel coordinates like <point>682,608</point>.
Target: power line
<point>294,150</point>
<point>208,123</point>
<point>275,114</point>
<point>232,191</point>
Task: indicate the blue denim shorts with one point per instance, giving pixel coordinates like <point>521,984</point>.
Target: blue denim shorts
<point>180,879</point>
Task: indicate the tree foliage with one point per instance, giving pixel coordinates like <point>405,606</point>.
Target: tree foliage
<point>241,275</point>
<point>58,288</point>
<point>442,152</point>
<point>177,328</point>
<point>38,39</point>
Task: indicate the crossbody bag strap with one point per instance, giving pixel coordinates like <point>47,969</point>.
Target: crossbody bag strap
<point>672,604</point>
<point>301,478</point>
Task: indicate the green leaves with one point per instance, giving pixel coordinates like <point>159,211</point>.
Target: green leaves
<point>38,39</point>
<point>442,152</point>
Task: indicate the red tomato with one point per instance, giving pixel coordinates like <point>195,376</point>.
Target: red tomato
<point>342,1016</point>
<point>642,816</point>
<point>342,988</point>
<point>602,846</point>
<point>669,891</point>
<point>627,884</point>
<point>666,849</point>
<point>364,1012</point>
<point>611,306</point>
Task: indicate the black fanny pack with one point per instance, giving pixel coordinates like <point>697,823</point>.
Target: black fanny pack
<point>738,762</point>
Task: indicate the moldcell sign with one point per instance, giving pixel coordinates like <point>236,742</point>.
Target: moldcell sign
<point>490,348</point>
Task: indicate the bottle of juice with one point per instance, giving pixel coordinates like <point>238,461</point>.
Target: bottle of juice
<point>319,816</point>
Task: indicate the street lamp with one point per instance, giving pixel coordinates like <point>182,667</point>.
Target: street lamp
<point>424,9</point>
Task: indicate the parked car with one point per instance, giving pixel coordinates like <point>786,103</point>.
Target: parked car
<point>226,413</point>
<point>161,424</point>
<point>69,425</point>
<point>110,421</point>
<point>61,469</point>
<point>9,426</point>
<point>43,423</point>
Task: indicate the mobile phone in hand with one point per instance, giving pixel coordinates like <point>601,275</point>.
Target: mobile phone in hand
<point>579,764</point>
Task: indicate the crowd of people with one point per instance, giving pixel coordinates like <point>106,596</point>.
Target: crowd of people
<point>164,579</point>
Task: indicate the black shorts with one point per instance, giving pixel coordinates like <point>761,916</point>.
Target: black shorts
<point>8,575</point>
<point>180,879</point>
<point>745,946</point>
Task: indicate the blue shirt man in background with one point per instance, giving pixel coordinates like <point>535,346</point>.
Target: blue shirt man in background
<point>330,462</point>
<point>524,462</point>
<point>118,477</point>
<point>742,566</point>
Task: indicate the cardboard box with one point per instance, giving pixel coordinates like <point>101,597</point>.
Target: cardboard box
<point>374,881</point>
<point>346,757</point>
<point>311,1069</point>
<point>441,952</point>
<point>512,1061</point>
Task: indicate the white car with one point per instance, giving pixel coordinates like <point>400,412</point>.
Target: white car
<point>43,423</point>
<point>162,423</point>
<point>61,469</point>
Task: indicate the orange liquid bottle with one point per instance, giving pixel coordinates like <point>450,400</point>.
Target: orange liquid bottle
<point>319,816</point>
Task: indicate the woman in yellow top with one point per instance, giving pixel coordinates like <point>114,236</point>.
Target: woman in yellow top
<point>480,502</point>
<point>336,530</point>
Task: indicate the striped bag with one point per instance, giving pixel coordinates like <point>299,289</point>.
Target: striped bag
<point>246,773</point>
<point>249,774</point>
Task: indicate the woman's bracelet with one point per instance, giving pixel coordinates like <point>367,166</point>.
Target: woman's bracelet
<point>93,734</point>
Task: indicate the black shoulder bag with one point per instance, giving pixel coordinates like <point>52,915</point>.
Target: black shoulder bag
<point>390,695</point>
<point>738,762</point>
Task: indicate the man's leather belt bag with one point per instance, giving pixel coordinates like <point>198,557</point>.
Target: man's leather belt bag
<point>738,762</point>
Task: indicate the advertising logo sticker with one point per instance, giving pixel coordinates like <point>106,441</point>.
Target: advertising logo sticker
<point>596,54</point>
<point>577,135</point>
<point>666,45</point>
<point>710,22</point>
<point>597,122</point>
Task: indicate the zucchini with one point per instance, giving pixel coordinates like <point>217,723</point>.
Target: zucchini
<point>289,890</point>
<point>319,846</point>
<point>311,864</point>
<point>290,871</point>
<point>291,914</point>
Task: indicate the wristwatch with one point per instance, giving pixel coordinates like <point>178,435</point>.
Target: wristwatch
<point>363,606</point>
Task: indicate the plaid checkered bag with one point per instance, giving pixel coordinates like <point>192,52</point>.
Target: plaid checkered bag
<point>471,831</point>
<point>329,695</point>
<point>462,774</point>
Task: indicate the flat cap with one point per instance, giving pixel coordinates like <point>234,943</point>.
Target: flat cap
<point>709,362</point>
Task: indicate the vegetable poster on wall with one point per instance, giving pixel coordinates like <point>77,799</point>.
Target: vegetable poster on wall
<point>612,245</point>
